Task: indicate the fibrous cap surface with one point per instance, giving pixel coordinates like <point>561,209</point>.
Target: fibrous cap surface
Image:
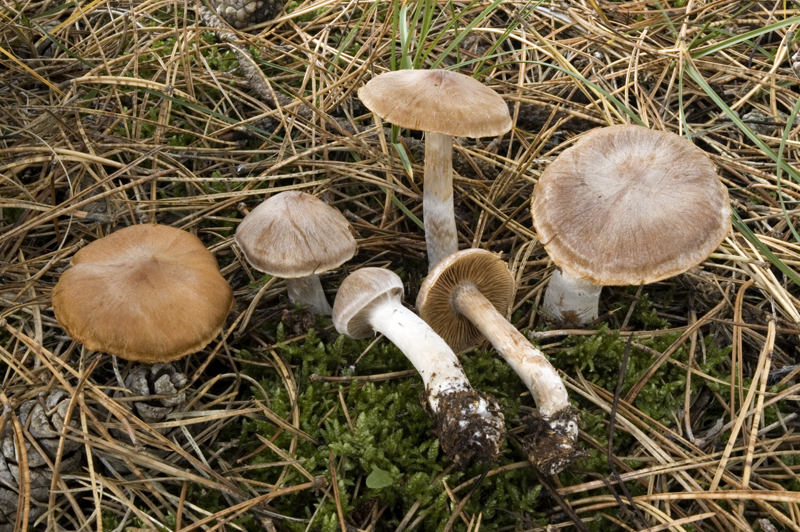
<point>627,205</point>
<point>440,101</point>
<point>294,234</point>
<point>149,293</point>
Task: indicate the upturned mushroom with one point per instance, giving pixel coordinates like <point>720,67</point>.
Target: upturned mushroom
<point>464,299</point>
<point>295,236</point>
<point>469,424</point>
<point>443,104</point>
<point>625,205</point>
<point>147,293</point>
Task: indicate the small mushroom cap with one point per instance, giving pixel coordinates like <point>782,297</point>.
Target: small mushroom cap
<point>481,268</point>
<point>440,101</point>
<point>148,293</point>
<point>355,296</point>
<point>627,205</point>
<point>294,234</point>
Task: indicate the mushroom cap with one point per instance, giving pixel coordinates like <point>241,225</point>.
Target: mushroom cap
<point>627,205</point>
<point>294,234</point>
<point>355,296</point>
<point>440,101</point>
<point>148,293</point>
<point>481,268</point>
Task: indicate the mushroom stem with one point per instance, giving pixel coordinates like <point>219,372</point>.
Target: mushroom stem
<point>469,425</point>
<point>441,237</point>
<point>552,446</point>
<point>436,363</point>
<point>570,300</point>
<point>308,292</point>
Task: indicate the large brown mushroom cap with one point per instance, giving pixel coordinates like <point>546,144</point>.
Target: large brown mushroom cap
<point>149,293</point>
<point>294,234</point>
<point>481,268</point>
<point>357,293</point>
<point>440,101</point>
<point>627,205</point>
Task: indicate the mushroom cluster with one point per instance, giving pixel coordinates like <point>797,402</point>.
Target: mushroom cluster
<point>625,205</point>
<point>469,424</point>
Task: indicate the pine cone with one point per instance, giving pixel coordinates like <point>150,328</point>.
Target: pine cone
<point>45,426</point>
<point>158,379</point>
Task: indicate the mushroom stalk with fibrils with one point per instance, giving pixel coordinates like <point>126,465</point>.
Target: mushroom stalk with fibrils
<point>461,300</point>
<point>470,425</point>
<point>444,104</point>
<point>625,205</point>
<point>295,236</point>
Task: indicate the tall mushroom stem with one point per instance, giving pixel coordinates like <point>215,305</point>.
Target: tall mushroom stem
<point>308,292</point>
<point>552,446</point>
<point>441,237</point>
<point>570,300</point>
<point>469,425</point>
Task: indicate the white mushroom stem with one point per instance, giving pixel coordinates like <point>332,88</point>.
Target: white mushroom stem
<point>308,292</point>
<point>537,373</point>
<point>436,363</point>
<point>438,215</point>
<point>571,300</point>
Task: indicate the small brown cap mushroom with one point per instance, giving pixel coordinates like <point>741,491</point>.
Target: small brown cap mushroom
<point>355,295</point>
<point>148,293</point>
<point>481,268</point>
<point>440,101</point>
<point>294,234</point>
<point>627,205</point>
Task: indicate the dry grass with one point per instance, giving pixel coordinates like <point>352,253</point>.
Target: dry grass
<point>121,112</point>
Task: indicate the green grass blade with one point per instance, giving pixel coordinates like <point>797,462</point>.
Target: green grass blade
<point>752,35</point>
<point>739,224</point>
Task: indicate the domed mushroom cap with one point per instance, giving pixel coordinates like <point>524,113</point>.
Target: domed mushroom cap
<point>481,268</point>
<point>149,293</point>
<point>627,205</point>
<point>294,234</point>
<point>355,296</point>
<point>440,101</point>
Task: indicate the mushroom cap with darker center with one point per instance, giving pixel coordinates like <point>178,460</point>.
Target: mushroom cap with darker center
<point>439,101</point>
<point>484,270</point>
<point>355,296</point>
<point>148,293</point>
<point>294,234</point>
<point>627,205</point>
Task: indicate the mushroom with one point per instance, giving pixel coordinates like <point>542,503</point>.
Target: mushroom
<point>469,424</point>
<point>625,205</point>
<point>295,236</point>
<point>464,299</point>
<point>147,293</point>
<point>443,104</point>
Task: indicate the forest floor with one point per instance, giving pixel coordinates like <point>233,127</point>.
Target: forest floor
<point>122,112</point>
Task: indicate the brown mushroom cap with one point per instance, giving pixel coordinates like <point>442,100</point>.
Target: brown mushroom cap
<point>294,234</point>
<point>627,205</point>
<point>486,271</point>
<point>355,295</point>
<point>440,101</point>
<point>148,293</point>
